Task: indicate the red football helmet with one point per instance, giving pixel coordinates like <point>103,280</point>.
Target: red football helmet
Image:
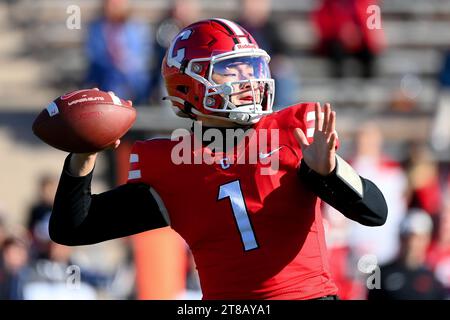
<point>215,68</point>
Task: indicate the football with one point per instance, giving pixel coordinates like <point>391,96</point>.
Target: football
<point>84,121</point>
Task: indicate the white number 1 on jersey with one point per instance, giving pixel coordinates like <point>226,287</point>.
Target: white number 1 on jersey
<point>233,191</point>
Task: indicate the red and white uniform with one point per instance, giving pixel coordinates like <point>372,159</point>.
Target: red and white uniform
<point>253,236</point>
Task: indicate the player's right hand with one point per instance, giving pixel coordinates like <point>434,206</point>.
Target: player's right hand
<point>81,164</point>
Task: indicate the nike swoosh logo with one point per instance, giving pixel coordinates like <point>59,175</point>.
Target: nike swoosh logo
<point>266,155</point>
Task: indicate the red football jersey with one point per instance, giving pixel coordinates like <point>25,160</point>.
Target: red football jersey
<point>253,235</point>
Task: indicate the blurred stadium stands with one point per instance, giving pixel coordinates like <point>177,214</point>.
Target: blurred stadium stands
<point>40,59</point>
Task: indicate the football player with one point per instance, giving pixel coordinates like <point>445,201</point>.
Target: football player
<point>253,235</point>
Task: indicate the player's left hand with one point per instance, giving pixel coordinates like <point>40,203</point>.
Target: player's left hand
<point>320,155</point>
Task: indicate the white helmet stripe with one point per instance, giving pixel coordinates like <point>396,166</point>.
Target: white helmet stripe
<point>235,28</point>
<point>232,26</point>
<point>243,40</point>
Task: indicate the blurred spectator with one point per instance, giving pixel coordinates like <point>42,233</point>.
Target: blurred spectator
<point>39,216</point>
<point>13,268</point>
<point>408,277</point>
<point>123,283</point>
<point>404,98</point>
<point>424,185</point>
<point>439,254</point>
<point>58,277</point>
<point>3,231</point>
<point>192,290</point>
<point>444,75</point>
<point>118,52</point>
<point>343,32</point>
<point>401,102</point>
<point>370,162</point>
<point>255,17</point>
<point>181,14</point>
<point>440,133</point>
<point>340,256</point>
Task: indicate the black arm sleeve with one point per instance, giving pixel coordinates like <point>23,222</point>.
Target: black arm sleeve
<point>370,210</point>
<point>79,218</point>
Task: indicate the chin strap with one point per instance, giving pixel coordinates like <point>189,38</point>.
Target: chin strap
<point>179,112</point>
<point>245,116</point>
<point>236,117</point>
<point>173,98</point>
<point>238,121</point>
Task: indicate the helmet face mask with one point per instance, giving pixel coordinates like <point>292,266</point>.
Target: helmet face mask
<point>238,86</point>
<point>230,81</point>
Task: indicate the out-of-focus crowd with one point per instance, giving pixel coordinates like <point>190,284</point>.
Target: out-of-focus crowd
<point>34,267</point>
<point>120,49</point>
<point>407,258</point>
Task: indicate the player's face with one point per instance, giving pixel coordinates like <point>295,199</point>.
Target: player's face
<point>233,72</point>
<point>237,72</point>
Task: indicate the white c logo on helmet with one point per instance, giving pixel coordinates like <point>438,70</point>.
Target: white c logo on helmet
<point>175,61</point>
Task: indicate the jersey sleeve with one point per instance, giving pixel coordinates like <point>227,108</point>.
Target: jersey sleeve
<point>137,159</point>
<point>79,217</point>
<point>301,116</point>
<point>149,166</point>
<point>304,118</point>
<point>150,161</point>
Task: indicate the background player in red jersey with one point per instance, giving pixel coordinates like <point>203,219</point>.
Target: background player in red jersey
<point>253,235</point>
